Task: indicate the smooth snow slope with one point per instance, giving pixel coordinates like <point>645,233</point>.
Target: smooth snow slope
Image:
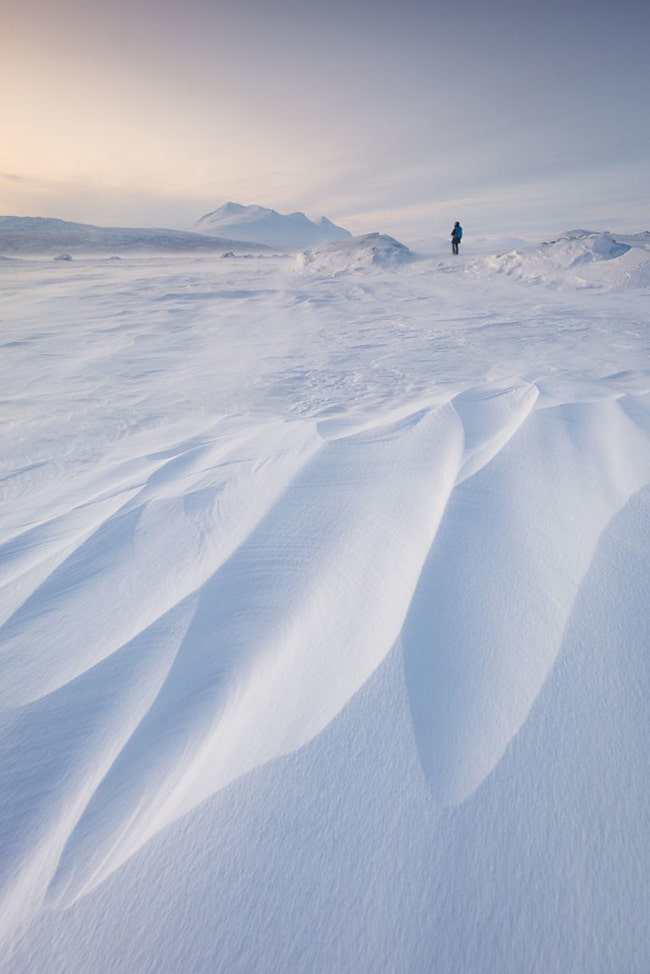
<point>323,618</point>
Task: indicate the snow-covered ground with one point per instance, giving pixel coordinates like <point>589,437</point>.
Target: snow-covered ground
<point>324,612</point>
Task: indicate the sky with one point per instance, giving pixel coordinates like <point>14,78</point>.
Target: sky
<point>517,119</point>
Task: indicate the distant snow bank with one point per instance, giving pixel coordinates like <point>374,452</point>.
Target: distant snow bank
<point>357,253</point>
<point>580,258</point>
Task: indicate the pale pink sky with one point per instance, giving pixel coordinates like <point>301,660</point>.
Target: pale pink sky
<point>382,116</point>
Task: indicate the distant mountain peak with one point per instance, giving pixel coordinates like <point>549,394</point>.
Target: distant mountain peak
<point>259,224</point>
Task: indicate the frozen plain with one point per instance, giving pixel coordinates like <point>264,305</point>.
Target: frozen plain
<point>324,611</point>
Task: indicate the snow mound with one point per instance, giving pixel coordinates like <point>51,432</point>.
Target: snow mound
<point>357,253</point>
<point>581,258</point>
<point>260,224</point>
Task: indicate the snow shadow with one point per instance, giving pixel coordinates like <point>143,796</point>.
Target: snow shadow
<point>493,602</point>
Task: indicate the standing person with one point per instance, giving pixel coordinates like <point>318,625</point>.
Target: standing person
<point>456,234</point>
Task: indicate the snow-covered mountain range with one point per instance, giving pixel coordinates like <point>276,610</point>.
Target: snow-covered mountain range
<point>293,230</point>
<point>39,235</point>
<point>231,227</point>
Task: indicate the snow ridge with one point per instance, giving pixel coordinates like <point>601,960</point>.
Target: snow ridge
<point>581,258</point>
<point>238,594</point>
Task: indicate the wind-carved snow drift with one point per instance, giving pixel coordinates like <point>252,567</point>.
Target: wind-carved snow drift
<point>274,597</point>
<point>207,594</point>
<point>496,592</point>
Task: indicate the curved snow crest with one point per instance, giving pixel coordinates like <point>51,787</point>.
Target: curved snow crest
<point>190,607</point>
<point>491,417</point>
<point>357,253</point>
<point>282,635</point>
<point>494,600</point>
<point>581,258</point>
<point>131,549</point>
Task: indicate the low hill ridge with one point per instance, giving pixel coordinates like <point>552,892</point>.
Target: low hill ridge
<point>40,235</point>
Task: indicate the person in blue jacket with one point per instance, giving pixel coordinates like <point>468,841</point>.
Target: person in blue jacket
<point>456,234</point>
